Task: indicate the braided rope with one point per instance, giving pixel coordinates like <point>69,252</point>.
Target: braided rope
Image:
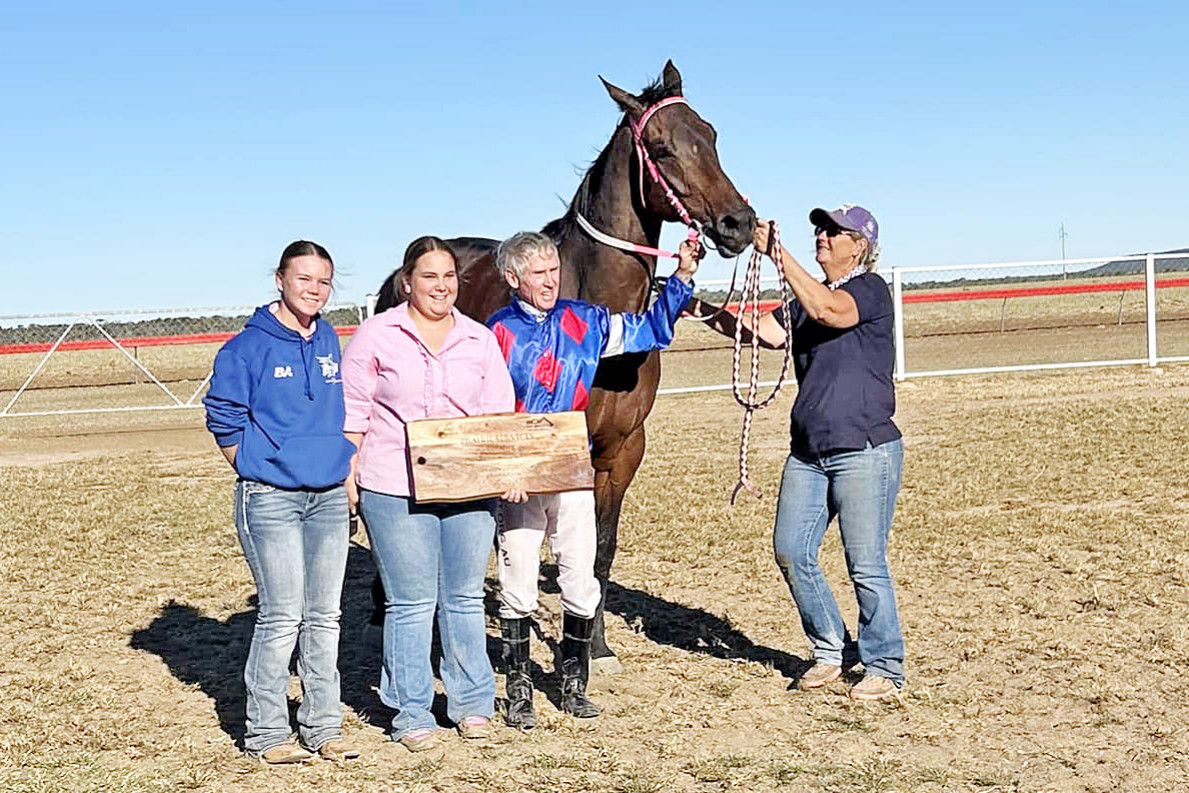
<point>749,300</point>
<point>726,301</point>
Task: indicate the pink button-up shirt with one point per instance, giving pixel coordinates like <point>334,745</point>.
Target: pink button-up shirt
<point>390,377</point>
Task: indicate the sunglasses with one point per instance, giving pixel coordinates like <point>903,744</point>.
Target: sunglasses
<point>831,231</point>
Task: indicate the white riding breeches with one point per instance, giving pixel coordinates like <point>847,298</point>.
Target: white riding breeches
<point>567,520</point>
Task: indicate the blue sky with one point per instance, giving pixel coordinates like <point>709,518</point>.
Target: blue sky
<point>157,158</point>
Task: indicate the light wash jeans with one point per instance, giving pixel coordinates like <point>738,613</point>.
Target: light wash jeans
<point>859,487</point>
<point>432,557</point>
<point>295,542</point>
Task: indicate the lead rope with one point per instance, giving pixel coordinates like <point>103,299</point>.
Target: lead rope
<point>749,297</point>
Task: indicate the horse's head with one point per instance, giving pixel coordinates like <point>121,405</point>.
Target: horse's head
<point>682,146</point>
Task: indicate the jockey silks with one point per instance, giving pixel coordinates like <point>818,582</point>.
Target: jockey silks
<point>553,355</point>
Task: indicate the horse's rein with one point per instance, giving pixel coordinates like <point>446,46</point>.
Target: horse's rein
<point>646,162</point>
<point>749,296</point>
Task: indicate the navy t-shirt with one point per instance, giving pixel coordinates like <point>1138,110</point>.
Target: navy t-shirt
<point>845,398</point>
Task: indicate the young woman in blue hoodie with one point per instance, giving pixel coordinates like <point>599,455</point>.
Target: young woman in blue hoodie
<point>275,407</point>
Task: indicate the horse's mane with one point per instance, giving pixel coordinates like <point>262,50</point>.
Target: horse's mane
<point>590,182</point>
<point>655,92</point>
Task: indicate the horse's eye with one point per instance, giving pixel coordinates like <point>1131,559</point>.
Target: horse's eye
<point>662,152</point>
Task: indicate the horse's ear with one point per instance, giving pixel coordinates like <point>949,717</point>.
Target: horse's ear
<point>627,102</point>
<point>672,79</point>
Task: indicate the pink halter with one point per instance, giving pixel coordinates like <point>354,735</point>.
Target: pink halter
<point>646,162</point>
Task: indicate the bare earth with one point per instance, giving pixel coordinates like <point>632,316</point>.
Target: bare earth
<point>1041,560</point>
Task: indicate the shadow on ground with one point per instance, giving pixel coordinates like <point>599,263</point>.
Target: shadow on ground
<point>205,652</point>
<point>693,629</point>
<point>210,653</point>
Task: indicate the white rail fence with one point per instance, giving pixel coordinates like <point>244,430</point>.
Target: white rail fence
<point>118,361</point>
<point>950,320</point>
<point>1042,315</point>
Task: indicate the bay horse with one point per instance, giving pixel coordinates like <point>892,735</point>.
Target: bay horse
<point>624,196</point>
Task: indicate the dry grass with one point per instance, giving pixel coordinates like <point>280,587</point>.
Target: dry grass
<point>1041,562</point>
<point>108,366</point>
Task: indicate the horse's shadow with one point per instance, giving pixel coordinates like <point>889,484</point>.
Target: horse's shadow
<point>693,629</point>
<point>683,627</point>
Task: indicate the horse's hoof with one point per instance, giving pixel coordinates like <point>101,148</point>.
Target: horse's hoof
<point>608,665</point>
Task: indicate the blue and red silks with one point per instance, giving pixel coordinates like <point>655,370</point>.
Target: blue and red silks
<point>553,356</point>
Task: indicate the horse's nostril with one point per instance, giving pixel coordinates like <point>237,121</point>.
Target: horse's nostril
<point>730,223</point>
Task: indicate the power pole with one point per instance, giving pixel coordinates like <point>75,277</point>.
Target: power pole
<point>1062,235</point>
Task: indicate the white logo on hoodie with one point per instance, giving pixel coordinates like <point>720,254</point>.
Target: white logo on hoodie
<point>330,367</point>
<point>282,371</point>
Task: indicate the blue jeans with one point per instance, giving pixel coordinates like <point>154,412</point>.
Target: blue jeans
<point>295,542</point>
<point>432,557</point>
<point>859,487</point>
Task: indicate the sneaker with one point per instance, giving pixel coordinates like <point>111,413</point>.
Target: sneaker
<point>819,675</point>
<point>873,687</point>
<point>418,740</point>
<point>475,727</point>
<point>287,752</point>
<point>337,750</point>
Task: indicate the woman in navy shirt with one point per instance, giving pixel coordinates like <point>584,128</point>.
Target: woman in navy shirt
<point>845,453</point>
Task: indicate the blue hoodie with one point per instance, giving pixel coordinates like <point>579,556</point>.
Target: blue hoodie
<point>279,397</point>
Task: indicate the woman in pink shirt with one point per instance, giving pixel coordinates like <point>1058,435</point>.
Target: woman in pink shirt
<point>423,359</point>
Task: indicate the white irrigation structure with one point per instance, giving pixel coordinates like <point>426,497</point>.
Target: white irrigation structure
<point>128,348</point>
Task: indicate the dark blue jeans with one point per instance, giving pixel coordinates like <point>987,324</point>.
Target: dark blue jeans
<point>295,542</point>
<point>432,558</point>
<point>859,488</point>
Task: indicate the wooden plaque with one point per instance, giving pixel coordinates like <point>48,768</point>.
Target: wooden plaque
<point>478,456</point>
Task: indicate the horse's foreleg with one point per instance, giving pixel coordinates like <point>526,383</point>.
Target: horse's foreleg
<point>611,483</point>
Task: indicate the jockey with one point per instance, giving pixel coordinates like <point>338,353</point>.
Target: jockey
<point>553,348</point>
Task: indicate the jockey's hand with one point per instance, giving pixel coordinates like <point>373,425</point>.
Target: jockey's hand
<point>688,256</point>
<point>515,496</point>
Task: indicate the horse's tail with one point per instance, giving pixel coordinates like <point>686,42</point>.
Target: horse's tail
<point>388,296</point>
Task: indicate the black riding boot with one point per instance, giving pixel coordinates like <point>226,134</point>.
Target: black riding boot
<point>518,677</point>
<point>575,667</point>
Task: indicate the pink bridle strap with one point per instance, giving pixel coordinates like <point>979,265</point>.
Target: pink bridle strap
<point>646,161</point>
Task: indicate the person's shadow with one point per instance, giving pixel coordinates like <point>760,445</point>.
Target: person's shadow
<point>211,653</point>
<point>205,652</point>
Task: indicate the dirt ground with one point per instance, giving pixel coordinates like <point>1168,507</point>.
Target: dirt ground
<point>1040,552</point>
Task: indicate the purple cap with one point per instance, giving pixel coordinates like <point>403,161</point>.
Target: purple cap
<point>850,217</point>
